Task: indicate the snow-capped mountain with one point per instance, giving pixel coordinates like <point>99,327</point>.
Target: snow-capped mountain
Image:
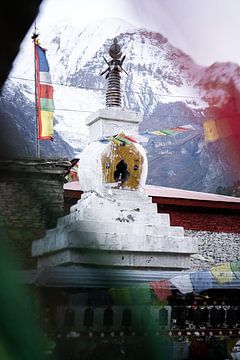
<point>162,82</point>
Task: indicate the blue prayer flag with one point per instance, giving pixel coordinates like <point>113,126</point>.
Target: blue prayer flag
<point>201,280</point>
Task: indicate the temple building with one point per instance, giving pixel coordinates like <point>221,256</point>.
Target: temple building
<point>128,271</point>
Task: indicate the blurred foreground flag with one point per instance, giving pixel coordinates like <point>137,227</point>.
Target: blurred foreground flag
<point>44,92</point>
<point>216,129</point>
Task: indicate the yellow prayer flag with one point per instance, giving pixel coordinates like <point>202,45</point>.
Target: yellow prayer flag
<point>46,125</point>
<point>216,129</point>
<point>210,130</point>
<point>158,132</point>
<point>222,273</point>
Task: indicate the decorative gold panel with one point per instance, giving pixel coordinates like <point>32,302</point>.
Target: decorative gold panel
<point>122,163</point>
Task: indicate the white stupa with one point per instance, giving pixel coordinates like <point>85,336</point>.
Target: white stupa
<point>115,223</point>
<point>113,158</point>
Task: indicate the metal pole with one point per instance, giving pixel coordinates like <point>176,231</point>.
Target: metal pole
<point>35,35</point>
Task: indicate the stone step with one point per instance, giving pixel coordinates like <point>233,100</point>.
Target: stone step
<point>129,194</point>
<point>113,242</point>
<point>115,205</point>
<point>98,200</point>
<point>105,215</point>
<point>125,227</point>
<point>129,242</point>
<point>118,259</point>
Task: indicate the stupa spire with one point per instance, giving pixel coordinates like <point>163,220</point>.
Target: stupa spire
<point>113,95</point>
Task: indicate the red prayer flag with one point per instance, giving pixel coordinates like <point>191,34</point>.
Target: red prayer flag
<point>161,289</point>
<point>46,91</point>
<point>130,139</point>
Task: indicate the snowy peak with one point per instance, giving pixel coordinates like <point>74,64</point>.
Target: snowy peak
<point>163,83</point>
<point>219,83</point>
<point>157,71</point>
<point>69,47</point>
<point>73,55</point>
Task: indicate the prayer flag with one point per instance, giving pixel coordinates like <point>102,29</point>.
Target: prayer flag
<point>161,289</point>
<point>141,294</point>
<point>210,130</point>
<point>157,132</point>
<point>201,280</point>
<point>182,128</point>
<point>182,283</point>
<point>44,91</point>
<point>216,129</point>
<point>222,273</point>
<point>121,296</point>
<point>235,267</point>
<point>169,132</point>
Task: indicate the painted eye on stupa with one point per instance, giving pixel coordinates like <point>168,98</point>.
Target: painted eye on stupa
<point>135,167</point>
<point>108,165</point>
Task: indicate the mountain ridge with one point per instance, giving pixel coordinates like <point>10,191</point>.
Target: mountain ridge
<point>163,83</point>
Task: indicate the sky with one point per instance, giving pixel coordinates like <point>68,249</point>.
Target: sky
<point>207,30</point>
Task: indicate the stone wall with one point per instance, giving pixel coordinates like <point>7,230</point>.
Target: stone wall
<point>214,248</point>
<point>31,200</point>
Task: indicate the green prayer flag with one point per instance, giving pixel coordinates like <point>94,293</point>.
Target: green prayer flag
<point>47,104</point>
<point>121,296</point>
<point>141,295</point>
<point>235,267</point>
<point>168,132</point>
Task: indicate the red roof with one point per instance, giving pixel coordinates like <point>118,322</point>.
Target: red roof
<point>164,192</point>
<point>160,191</point>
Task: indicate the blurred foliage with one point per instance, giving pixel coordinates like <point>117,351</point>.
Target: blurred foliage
<point>20,337</point>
